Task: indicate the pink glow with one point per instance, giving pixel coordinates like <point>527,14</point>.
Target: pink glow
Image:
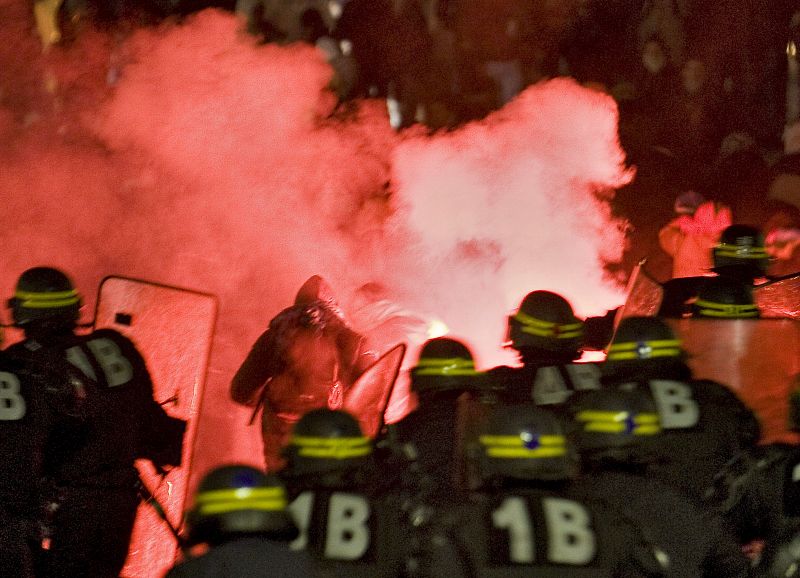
<point>212,163</point>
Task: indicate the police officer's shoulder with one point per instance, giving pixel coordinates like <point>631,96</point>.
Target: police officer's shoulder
<point>502,371</point>
<point>251,556</point>
<point>109,333</point>
<point>713,392</point>
<point>127,345</point>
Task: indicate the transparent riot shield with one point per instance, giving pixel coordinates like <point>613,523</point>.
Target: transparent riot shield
<point>643,295</point>
<point>368,397</point>
<point>757,358</point>
<point>173,329</point>
<point>779,298</point>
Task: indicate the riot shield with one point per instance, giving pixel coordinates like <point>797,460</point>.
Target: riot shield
<point>643,295</point>
<point>779,298</point>
<point>756,358</point>
<point>368,397</point>
<point>173,329</point>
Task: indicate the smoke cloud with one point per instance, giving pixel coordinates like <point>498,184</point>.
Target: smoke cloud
<point>189,155</point>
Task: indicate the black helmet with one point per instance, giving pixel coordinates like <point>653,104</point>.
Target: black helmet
<point>238,500</point>
<point>325,441</point>
<point>725,298</point>
<point>644,348</point>
<point>525,442</point>
<point>45,296</point>
<point>615,425</point>
<point>545,321</point>
<point>740,253</point>
<point>444,364</point>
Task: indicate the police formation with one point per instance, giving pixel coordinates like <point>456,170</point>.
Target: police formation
<point>554,467</point>
<point>480,480</point>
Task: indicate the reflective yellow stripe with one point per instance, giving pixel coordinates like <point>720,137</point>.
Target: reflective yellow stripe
<point>334,453</point>
<point>741,251</point>
<point>310,441</point>
<point>619,422</point>
<point>541,328</point>
<point>525,453</point>
<point>711,309</point>
<point>598,415</point>
<point>445,366</point>
<point>634,355</point>
<point>514,447</point>
<point>50,300</point>
<point>332,448</point>
<point>639,430</point>
<point>644,349</point>
<point>517,441</point>
<point>275,505</point>
<point>634,345</point>
<point>236,494</point>
<point>236,499</point>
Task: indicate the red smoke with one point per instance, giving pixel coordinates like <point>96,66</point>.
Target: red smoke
<point>191,156</point>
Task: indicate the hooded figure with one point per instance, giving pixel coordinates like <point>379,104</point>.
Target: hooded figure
<point>306,359</point>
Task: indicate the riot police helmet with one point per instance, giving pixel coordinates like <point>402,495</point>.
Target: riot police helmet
<point>326,441</point>
<point>644,348</point>
<point>525,442</point>
<point>234,501</point>
<point>725,298</point>
<point>615,425</point>
<point>444,365</point>
<point>45,297</point>
<point>545,325</point>
<point>740,253</point>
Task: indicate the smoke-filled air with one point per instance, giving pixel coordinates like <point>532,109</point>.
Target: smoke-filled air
<point>190,155</point>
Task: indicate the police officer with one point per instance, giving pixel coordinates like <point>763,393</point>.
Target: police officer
<point>617,431</point>
<point>699,414</point>
<point>350,521</point>
<point>92,463</point>
<point>240,514</point>
<point>725,298</point>
<point>740,255</point>
<point>523,519</point>
<point>36,399</point>
<point>758,493</point>
<point>548,338</point>
<point>448,389</point>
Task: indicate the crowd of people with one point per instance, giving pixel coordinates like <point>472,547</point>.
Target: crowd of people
<point>555,466</point>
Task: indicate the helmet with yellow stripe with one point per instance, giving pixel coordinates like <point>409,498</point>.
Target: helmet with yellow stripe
<point>615,425</point>
<point>644,348</point>
<point>524,442</point>
<point>444,364</point>
<point>238,500</point>
<point>545,322</point>
<point>327,441</point>
<point>740,253</point>
<point>725,298</point>
<point>45,296</point>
